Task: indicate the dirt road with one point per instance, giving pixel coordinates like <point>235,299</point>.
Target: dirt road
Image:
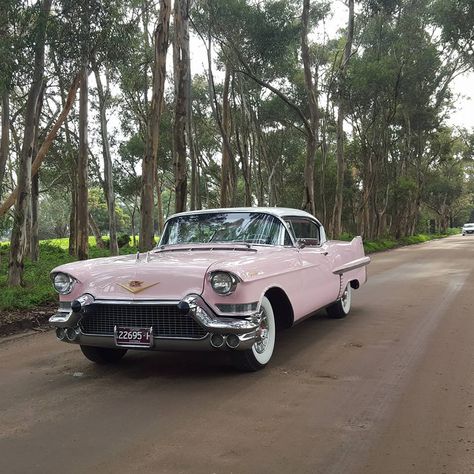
<point>390,389</point>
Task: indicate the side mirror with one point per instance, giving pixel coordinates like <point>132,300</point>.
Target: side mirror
<point>301,243</point>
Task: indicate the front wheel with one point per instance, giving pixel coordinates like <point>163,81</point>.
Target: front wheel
<point>258,356</point>
<point>340,309</point>
<point>103,355</point>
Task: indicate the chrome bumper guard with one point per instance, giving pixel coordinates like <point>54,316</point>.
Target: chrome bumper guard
<point>246,328</point>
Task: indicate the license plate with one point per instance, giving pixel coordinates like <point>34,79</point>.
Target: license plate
<point>133,337</point>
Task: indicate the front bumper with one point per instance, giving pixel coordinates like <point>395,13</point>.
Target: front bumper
<point>236,332</point>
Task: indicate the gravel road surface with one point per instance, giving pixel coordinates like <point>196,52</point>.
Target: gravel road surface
<point>389,389</point>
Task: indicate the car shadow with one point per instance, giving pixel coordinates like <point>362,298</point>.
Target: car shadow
<point>138,365</point>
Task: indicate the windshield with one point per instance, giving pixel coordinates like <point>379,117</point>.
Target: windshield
<point>468,225</point>
<point>249,227</point>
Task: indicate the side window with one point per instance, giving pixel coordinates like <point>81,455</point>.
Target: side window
<point>304,230</point>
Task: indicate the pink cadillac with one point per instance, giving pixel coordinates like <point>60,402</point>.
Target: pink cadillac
<point>220,280</point>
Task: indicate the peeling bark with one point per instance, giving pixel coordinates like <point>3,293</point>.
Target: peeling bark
<point>149,164</point>
<point>311,91</point>
<point>19,242</point>
<point>181,80</point>
<point>82,206</point>
<point>338,205</point>
<point>5,140</point>
<point>108,177</point>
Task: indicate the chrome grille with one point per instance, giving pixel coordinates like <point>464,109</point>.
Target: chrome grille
<point>167,320</point>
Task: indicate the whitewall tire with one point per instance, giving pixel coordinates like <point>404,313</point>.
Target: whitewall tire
<point>340,309</point>
<point>261,352</point>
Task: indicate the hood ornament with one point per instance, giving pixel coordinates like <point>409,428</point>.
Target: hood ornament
<point>136,286</point>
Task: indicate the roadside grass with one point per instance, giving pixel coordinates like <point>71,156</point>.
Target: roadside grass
<point>380,245</point>
<point>39,291</point>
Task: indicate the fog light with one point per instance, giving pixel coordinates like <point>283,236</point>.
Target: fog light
<point>233,341</point>
<point>71,334</point>
<point>217,340</point>
<point>60,334</point>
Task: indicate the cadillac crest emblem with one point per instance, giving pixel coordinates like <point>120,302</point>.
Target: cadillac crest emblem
<point>136,286</point>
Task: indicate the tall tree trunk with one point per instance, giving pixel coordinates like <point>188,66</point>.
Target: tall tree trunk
<point>22,205</point>
<point>338,205</point>
<point>149,163</point>
<point>82,207</point>
<point>181,79</point>
<point>108,177</point>
<point>5,140</point>
<point>8,203</point>
<point>227,173</point>
<point>194,204</point>
<point>224,131</point>
<point>96,232</point>
<point>72,217</point>
<point>159,205</point>
<point>33,224</point>
<point>311,140</point>
<point>242,135</point>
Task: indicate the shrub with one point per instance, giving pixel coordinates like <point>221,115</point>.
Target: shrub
<point>123,240</point>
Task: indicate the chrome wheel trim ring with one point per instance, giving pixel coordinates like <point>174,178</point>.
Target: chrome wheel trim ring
<point>263,349</point>
<point>346,299</point>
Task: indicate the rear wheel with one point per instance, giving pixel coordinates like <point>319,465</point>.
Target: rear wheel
<point>258,356</point>
<point>103,355</point>
<point>340,309</point>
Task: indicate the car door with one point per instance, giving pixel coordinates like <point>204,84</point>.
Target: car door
<point>319,285</point>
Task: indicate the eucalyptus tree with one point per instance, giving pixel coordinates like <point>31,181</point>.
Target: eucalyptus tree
<point>397,88</point>
<point>149,163</point>
<point>182,80</point>
<point>6,79</point>
<point>19,242</point>
<point>456,19</point>
<point>261,41</point>
<point>336,223</point>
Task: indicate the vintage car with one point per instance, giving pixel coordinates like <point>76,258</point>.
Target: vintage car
<point>468,228</point>
<point>220,280</point>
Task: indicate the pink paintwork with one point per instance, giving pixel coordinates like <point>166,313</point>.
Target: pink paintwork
<point>274,264</point>
<point>304,274</point>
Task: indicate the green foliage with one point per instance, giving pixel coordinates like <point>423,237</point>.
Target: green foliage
<point>38,289</point>
<point>456,18</point>
<point>372,246</point>
<point>123,240</point>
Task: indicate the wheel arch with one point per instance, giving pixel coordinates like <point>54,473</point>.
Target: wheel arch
<point>282,308</point>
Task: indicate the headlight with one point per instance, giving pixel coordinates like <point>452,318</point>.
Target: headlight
<point>223,283</point>
<point>63,283</point>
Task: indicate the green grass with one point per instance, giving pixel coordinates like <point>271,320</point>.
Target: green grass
<point>54,252</point>
<point>37,289</point>
<point>372,246</point>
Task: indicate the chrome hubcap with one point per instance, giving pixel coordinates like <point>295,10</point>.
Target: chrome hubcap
<point>262,343</point>
<point>344,297</point>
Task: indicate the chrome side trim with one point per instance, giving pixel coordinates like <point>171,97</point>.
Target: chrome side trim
<point>353,265</point>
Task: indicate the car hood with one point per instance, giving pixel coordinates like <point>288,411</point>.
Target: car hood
<point>165,275</point>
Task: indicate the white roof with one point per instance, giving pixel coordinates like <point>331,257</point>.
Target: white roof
<point>275,211</point>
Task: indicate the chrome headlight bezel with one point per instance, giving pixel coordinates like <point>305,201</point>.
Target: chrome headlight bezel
<point>62,283</point>
<point>223,283</point>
